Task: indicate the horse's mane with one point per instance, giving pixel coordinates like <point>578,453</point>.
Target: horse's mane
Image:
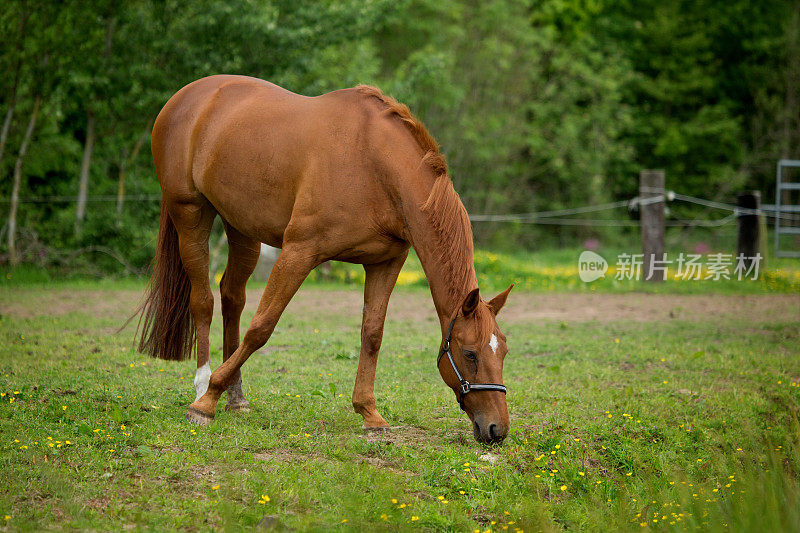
<point>432,157</point>
<point>443,208</point>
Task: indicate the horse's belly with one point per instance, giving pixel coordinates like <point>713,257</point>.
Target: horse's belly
<point>255,209</point>
<point>249,193</point>
<point>371,251</point>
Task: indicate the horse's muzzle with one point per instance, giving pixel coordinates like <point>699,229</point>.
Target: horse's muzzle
<point>489,432</point>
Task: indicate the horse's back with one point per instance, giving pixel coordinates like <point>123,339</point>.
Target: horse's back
<point>261,154</point>
<point>207,142</point>
<point>174,132</point>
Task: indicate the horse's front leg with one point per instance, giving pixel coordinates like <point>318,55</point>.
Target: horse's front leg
<point>378,285</point>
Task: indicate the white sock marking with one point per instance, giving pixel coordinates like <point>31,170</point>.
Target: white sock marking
<point>493,343</point>
<point>201,380</point>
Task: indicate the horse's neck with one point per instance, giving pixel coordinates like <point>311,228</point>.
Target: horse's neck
<point>448,290</point>
<point>442,238</point>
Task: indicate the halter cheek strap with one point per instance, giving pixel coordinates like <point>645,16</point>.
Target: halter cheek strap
<point>466,386</point>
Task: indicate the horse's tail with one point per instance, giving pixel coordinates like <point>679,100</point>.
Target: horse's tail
<point>167,328</point>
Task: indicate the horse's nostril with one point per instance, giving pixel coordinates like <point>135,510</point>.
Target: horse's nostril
<point>492,434</point>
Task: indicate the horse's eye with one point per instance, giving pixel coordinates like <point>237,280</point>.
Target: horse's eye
<point>469,354</point>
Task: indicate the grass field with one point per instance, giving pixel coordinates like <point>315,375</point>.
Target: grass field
<point>628,411</point>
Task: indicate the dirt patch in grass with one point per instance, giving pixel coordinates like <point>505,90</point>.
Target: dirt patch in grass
<point>30,303</point>
<point>283,455</point>
<point>98,503</point>
<point>528,307</point>
<point>383,464</point>
<point>402,435</point>
<point>416,306</point>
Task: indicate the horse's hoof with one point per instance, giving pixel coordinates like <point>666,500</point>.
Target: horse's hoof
<point>239,407</point>
<point>198,417</point>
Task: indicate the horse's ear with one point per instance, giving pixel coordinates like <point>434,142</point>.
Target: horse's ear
<point>471,302</point>
<point>499,301</point>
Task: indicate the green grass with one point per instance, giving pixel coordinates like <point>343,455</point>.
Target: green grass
<point>678,425</point>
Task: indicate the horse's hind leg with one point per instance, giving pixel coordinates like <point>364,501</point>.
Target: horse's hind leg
<point>243,255</point>
<point>293,265</point>
<point>193,222</point>
<point>378,285</point>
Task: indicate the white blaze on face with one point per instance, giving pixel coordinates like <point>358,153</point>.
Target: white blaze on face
<point>493,343</point>
<point>201,380</point>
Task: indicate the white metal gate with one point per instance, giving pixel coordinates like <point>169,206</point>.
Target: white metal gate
<point>782,221</point>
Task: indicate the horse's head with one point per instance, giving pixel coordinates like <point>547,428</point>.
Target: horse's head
<point>471,363</point>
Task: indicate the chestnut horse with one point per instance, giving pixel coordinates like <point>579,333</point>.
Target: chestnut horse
<point>350,176</point>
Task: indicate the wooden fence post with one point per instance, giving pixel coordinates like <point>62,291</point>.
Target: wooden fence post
<point>651,185</point>
<point>749,227</point>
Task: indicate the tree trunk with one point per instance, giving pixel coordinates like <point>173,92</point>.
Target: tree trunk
<point>12,212</point>
<point>121,191</point>
<point>86,163</point>
<point>123,168</point>
<point>7,125</point>
<point>12,100</point>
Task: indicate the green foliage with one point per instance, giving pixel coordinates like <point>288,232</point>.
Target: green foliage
<point>539,105</point>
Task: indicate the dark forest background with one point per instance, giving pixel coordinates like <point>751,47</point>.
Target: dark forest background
<point>538,105</point>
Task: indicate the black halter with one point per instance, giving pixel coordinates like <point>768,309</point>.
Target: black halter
<point>466,386</point>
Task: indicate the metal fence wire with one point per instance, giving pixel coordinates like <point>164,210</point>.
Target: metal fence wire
<point>564,217</point>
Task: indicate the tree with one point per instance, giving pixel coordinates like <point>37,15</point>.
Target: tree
<point>23,149</point>
<point>16,60</point>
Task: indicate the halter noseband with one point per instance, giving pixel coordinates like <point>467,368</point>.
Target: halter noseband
<point>466,386</point>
